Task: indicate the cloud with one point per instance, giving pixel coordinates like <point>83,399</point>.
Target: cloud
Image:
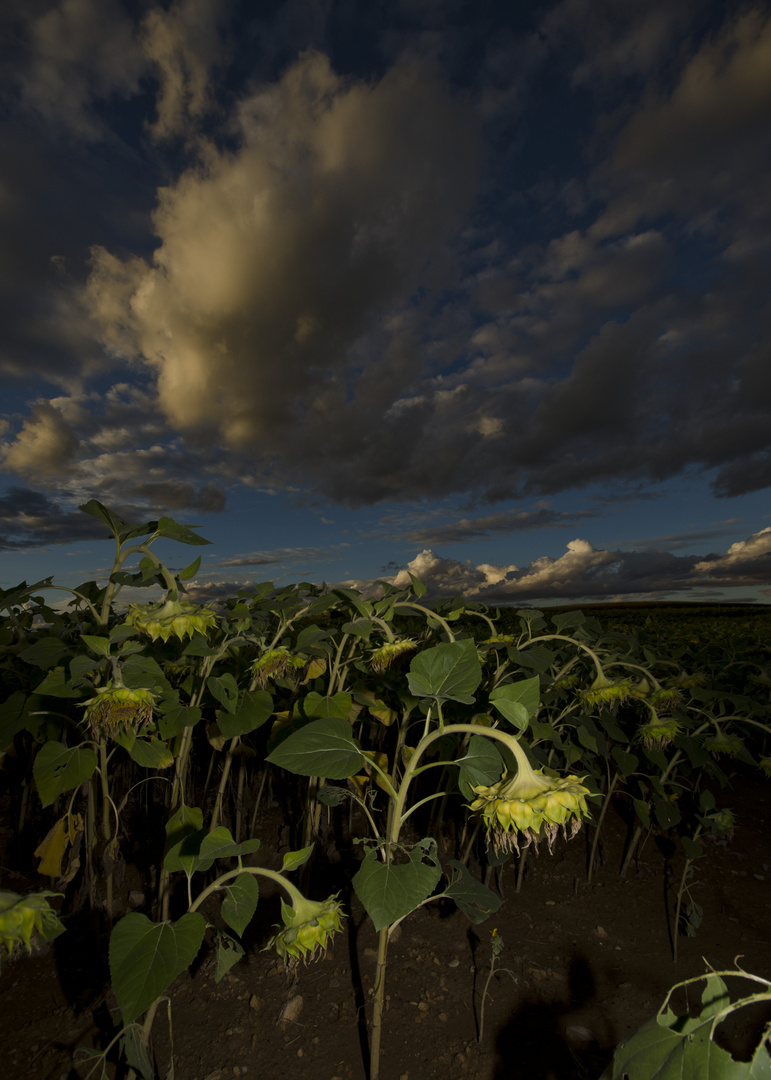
<point>182,45</point>
<point>30,519</point>
<point>280,556</point>
<point>366,287</point>
<point>585,573</point>
<point>44,446</point>
<point>505,521</point>
<point>696,151</point>
<point>79,51</point>
<point>110,448</point>
<point>745,562</point>
<point>277,260</point>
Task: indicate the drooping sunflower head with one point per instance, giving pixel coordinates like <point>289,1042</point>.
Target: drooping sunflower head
<point>665,701</point>
<point>520,810</point>
<point>387,654</point>
<point>25,920</point>
<point>720,824</point>
<point>274,664</point>
<point>604,692</point>
<point>116,708</point>
<point>307,928</point>
<point>724,744</point>
<point>178,617</point>
<point>658,732</point>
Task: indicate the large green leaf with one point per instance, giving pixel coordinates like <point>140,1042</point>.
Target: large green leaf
<point>98,510</point>
<point>323,748</point>
<point>225,690</point>
<point>448,672</point>
<point>240,901</point>
<point>13,718</point>
<point>390,892</point>
<point>143,673</point>
<point>57,684</point>
<point>198,850</point>
<point>253,709</point>
<point>174,718</point>
<point>536,657</point>
<point>295,859</point>
<point>481,764</point>
<point>173,530</point>
<point>151,754</point>
<point>316,706</point>
<point>44,653</point>
<point>475,900</point>
<point>146,957</point>
<point>59,768</point>
<point>682,1048</point>
<point>518,701</point>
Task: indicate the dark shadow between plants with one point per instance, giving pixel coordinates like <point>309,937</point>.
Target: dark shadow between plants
<point>534,1044</point>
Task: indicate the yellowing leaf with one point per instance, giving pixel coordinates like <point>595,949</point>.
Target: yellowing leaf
<point>52,849</point>
<point>316,667</point>
<point>358,784</point>
<point>381,760</point>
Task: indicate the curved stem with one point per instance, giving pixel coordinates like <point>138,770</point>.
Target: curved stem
<point>579,644</point>
<point>430,613</point>
<point>258,871</point>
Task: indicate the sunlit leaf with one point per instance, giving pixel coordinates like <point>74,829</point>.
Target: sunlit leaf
<point>323,748</point>
<point>294,859</point>
<point>518,701</point>
<point>481,764</point>
<point>448,672</point>
<point>389,892</point>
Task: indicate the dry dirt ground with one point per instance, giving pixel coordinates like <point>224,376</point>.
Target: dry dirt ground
<point>586,966</point>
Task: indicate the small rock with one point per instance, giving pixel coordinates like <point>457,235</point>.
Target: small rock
<point>577,1035</point>
<point>423,1006</point>
<point>291,1010</point>
<point>255,1003</point>
<point>601,932</point>
<point>453,963</point>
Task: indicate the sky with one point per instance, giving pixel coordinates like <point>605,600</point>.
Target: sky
<point>477,291</point>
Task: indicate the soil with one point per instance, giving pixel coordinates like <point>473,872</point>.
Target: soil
<point>586,965</point>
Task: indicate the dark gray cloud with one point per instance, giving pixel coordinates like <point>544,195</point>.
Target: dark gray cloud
<point>30,519</point>
<point>502,523</point>
<point>398,275</point>
<point>280,557</point>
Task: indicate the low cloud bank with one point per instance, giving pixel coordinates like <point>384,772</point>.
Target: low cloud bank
<point>588,573</point>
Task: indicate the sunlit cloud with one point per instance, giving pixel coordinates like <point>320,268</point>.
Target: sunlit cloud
<point>584,573</point>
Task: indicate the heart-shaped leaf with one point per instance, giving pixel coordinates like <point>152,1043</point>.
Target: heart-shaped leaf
<point>146,957</point>
<point>389,892</point>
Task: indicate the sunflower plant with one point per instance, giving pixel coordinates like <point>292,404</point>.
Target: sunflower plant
<point>486,761</point>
